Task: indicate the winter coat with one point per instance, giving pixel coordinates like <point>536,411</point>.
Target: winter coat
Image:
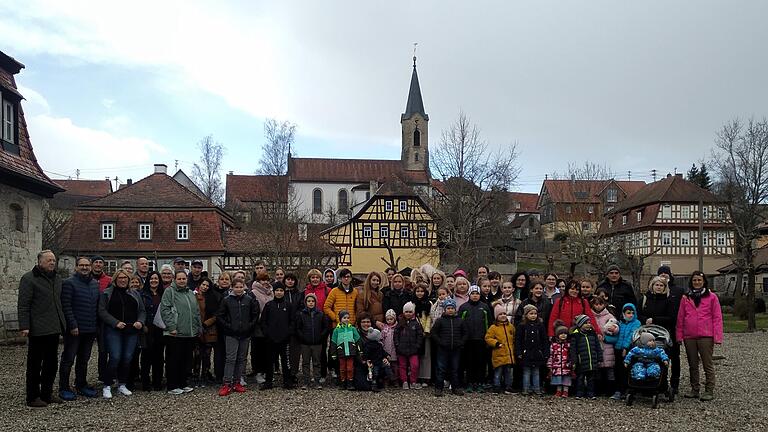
<point>559,361</point>
<point>179,311</point>
<point>320,291</point>
<point>39,304</point>
<point>409,337</point>
<point>374,352</point>
<point>460,299</point>
<point>646,355</point>
<point>338,300</point>
<point>609,358</point>
<point>295,298</point>
<point>501,339</point>
<point>698,322</point>
<point>423,309</point>
<point>103,280</point>
<point>436,311</point>
<point>80,303</point>
<point>277,320</point>
<point>450,332</point>
<point>208,303</point>
<point>619,294</point>
<point>388,338</point>
<point>394,299</point>
<point>112,321</point>
<point>531,344</point>
<point>586,353</point>
<point>478,318</point>
<point>626,329</point>
<point>345,341</point>
<point>374,307</point>
<point>238,316</point>
<point>566,309</point>
<point>542,306</point>
<point>508,306</point>
<point>311,326</point>
<point>661,309</point>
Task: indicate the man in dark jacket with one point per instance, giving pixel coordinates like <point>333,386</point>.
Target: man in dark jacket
<point>450,332</point>
<point>79,301</point>
<point>620,292</point>
<point>41,319</point>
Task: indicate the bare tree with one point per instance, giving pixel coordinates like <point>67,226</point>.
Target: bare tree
<point>278,144</point>
<point>741,161</point>
<point>586,171</point>
<point>55,230</point>
<point>473,205</point>
<point>207,174</point>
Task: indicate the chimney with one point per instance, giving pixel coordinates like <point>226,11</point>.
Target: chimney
<point>130,182</point>
<point>161,169</point>
<point>231,173</point>
<point>679,175</point>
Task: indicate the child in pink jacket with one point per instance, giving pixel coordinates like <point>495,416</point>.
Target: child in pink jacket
<point>699,328</point>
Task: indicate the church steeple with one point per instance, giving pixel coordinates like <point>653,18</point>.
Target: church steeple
<point>414,122</point>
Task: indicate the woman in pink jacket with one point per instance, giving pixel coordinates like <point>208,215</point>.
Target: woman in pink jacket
<point>699,328</point>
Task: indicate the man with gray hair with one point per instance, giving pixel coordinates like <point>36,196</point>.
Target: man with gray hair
<point>41,320</point>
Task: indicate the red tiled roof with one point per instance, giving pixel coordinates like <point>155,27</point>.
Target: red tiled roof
<point>584,191</point>
<point>255,188</point>
<point>352,171</point>
<point>77,191</point>
<point>528,202</point>
<point>155,191</point>
<point>668,190</point>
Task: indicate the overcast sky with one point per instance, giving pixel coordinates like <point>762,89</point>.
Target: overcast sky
<point>113,87</point>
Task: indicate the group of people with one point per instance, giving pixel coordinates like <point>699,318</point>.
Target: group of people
<point>410,329</point>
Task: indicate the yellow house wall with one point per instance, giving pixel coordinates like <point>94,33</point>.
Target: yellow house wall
<point>365,260</point>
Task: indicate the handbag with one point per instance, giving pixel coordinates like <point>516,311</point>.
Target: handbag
<point>157,321</point>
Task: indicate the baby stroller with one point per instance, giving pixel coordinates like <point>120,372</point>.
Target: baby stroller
<point>650,386</point>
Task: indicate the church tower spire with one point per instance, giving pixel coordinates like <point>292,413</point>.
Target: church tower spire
<point>415,127</point>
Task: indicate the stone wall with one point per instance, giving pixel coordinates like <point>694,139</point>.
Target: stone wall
<point>18,249</point>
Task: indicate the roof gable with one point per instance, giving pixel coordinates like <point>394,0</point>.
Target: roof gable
<point>77,191</point>
<point>156,190</point>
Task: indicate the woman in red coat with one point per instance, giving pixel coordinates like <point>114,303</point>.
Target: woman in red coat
<point>566,308</point>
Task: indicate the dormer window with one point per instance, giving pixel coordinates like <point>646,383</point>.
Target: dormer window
<point>612,195</point>
<point>8,123</point>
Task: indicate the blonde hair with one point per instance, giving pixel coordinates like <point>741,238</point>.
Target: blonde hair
<point>462,279</point>
<point>225,274</point>
<point>658,279</point>
<point>314,272</point>
<point>118,273</point>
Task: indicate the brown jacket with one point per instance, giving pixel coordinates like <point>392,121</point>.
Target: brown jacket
<point>374,307</point>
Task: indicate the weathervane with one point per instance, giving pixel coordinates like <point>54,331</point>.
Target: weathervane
<point>415,44</point>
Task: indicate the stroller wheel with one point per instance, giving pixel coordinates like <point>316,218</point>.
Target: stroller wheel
<point>630,399</point>
<point>655,401</point>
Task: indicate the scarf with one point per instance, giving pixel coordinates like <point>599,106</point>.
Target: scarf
<point>696,295</point>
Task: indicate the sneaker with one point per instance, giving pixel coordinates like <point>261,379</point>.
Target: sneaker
<point>416,386</point>
<point>37,403</point>
<point>88,392</point>
<point>187,389</point>
<point>558,394</point>
<point>106,392</point>
<point>350,386</point>
<point>564,394</point>
<point>176,392</point>
<point>225,390</point>
<point>525,392</point>
<point>693,394</point>
<point>509,391</point>
<point>616,396</point>
<point>243,382</point>
<point>405,386</point>
<point>123,390</point>
<point>54,399</point>
<point>497,390</point>
<point>458,392</point>
<point>479,389</point>
<point>238,388</point>
<point>322,380</point>
<point>470,389</point>
<point>304,387</point>
<point>67,395</point>
<point>319,387</point>
<point>706,396</point>
<point>438,392</point>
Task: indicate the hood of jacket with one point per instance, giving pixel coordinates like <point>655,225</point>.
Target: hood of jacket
<point>629,305</point>
<point>335,279</point>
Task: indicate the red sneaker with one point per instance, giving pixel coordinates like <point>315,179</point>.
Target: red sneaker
<point>225,390</point>
<point>238,388</point>
<point>564,394</point>
<point>558,393</point>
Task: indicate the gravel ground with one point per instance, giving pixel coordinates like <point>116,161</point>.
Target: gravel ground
<point>739,405</point>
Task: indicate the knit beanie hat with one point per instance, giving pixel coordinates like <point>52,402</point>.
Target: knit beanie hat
<point>561,329</point>
<point>374,334</point>
<point>529,308</point>
<point>664,269</point>
<point>449,303</point>
<point>646,337</point>
<point>580,320</point>
<point>390,314</point>
<point>97,258</point>
<point>342,314</point>
<point>409,307</point>
<point>312,296</point>
<point>473,288</point>
<point>613,267</point>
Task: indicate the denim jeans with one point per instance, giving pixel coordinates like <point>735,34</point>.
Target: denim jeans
<point>531,379</point>
<point>121,345</point>
<point>75,347</point>
<point>585,384</point>
<point>237,352</point>
<point>448,367</point>
<point>502,372</point>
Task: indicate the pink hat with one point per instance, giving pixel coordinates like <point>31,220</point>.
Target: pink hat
<point>460,272</point>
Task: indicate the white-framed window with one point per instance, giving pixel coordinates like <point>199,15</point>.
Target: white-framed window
<point>110,267</point>
<point>705,212</point>
<point>422,231</point>
<point>610,223</point>
<point>705,238</point>
<point>405,232</point>
<point>317,201</point>
<point>367,231</point>
<point>388,205</point>
<point>612,195</point>
<point>666,211</point>
<point>9,121</point>
<point>384,230</point>
<point>403,206</point>
<point>721,238</point>
<point>666,238</point>
<point>145,231</point>
<point>685,212</point>
<point>568,209</point>
<point>591,209</point>
<point>685,238</point>
<point>108,231</point>
<point>182,231</point>
<point>623,219</point>
<point>639,215</point>
<point>721,213</point>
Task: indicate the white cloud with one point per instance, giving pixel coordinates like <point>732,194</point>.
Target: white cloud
<point>35,103</point>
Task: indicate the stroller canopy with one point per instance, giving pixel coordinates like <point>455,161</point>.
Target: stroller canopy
<point>659,333</point>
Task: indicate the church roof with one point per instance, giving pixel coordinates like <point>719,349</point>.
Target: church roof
<point>352,171</point>
<point>415,104</point>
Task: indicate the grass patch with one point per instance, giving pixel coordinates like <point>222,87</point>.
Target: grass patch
<point>527,265</point>
<point>731,324</point>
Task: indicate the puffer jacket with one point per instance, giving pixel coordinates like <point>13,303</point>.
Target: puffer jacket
<point>295,298</point>
<point>80,302</point>
<point>238,316</point>
<point>39,303</point>
<point>585,351</point>
<point>320,291</point>
<point>388,338</point>
<point>179,311</point>
<point>532,344</point>
<point>566,309</point>
<point>478,318</point>
<point>277,320</point>
<point>609,358</point>
<point>338,300</point>
<point>559,361</point>
<point>646,355</point>
<point>626,329</point>
<point>542,306</point>
<point>508,306</point>
<point>409,337</point>
<point>345,341</point>
<point>706,320</point>
<point>311,326</point>
<point>450,332</point>
<point>501,339</point>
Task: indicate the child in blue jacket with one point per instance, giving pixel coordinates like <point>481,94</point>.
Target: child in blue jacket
<point>649,355</point>
<point>627,326</point>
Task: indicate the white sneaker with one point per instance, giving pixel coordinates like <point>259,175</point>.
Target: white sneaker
<point>123,390</point>
<point>405,386</point>
<point>176,391</point>
<point>243,382</point>
<point>260,379</point>
<point>321,381</point>
<point>107,392</point>
<point>416,386</point>
<point>187,389</point>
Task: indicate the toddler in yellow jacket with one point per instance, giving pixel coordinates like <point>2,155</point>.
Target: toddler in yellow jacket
<point>501,338</point>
